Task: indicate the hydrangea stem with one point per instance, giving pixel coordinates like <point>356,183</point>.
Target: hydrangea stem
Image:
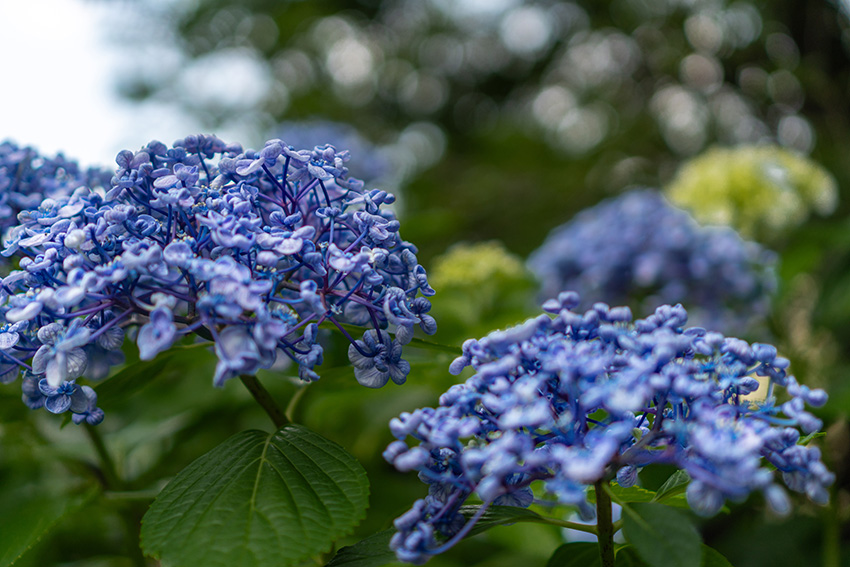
<point>130,516</point>
<point>264,399</point>
<point>832,534</point>
<point>604,525</point>
<point>107,465</point>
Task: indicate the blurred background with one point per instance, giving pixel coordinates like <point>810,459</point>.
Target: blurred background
<point>494,121</point>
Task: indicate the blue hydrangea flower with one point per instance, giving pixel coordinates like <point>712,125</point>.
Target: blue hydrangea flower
<point>580,397</point>
<point>250,249</point>
<point>27,178</point>
<point>377,359</point>
<point>639,250</point>
<point>309,133</point>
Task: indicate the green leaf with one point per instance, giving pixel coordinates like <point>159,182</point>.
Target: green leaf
<point>662,536</point>
<point>811,437</point>
<point>373,551</point>
<point>713,558</point>
<point>578,554</point>
<point>499,516</point>
<point>431,345</point>
<point>672,492</point>
<point>673,486</point>
<point>257,500</point>
<point>30,514</point>
<point>628,557</point>
<point>620,494</point>
<point>174,362</point>
<point>502,515</point>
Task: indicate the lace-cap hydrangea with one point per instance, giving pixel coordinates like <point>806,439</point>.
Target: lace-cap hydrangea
<point>640,250</point>
<point>250,249</point>
<point>579,398</point>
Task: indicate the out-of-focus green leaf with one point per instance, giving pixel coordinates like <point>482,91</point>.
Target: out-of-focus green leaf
<point>621,494</point>
<point>578,554</point>
<point>662,536</point>
<point>628,557</point>
<point>673,486</point>
<point>174,362</point>
<point>713,558</point>
<point>373,551</point>
<point>29,513</point>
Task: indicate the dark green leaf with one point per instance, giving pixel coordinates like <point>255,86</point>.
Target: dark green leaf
<point>503,515</point>
<point>662,536</point>
<point>499,516</point>
<point>430,345</point>
<point>673,486</point>
<point>258,500</point>
<point>628,557</point>
<point>630,494</point>
<point>713,558</point>
<point>579,554</point>
<point>29,514</point>
<point>174,362</point>
<point>373,551</point>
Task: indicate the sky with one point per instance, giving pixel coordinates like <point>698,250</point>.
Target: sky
<point>58,86</point>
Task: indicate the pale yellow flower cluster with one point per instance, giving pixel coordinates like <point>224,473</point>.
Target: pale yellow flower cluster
<point>761,191</point>
<point>473,265</point>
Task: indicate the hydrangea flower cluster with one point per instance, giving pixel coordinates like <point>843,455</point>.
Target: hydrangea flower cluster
<point>578,398</point>
<point>759,190</point>
<point>27,178</point>
<point>250,249</point>
<point>637,248</point>
<point>372,164</point>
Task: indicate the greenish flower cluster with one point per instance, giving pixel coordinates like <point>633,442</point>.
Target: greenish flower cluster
<point>761,191</point>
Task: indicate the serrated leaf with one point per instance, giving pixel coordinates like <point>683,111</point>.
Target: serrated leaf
<point>675,485</point>
<point>578,554</point>
<point>30,514</point>
<point>662,536</point>
<point>713,558</point>
<point>373,551</point>
<point>258,500</point>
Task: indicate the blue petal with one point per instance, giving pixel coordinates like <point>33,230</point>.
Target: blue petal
<point>57,404</point>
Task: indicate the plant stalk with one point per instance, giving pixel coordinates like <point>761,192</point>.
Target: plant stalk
<point>604,525</point>
<point>832,533</point>
<point>107,465</point>
<point>264,399</point>
<point>130,518</point>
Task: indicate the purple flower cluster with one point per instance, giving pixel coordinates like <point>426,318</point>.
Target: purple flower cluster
<point>578,398</point>
<point>250,249</point>
<point>27,178</point>
<point>639,250</point>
